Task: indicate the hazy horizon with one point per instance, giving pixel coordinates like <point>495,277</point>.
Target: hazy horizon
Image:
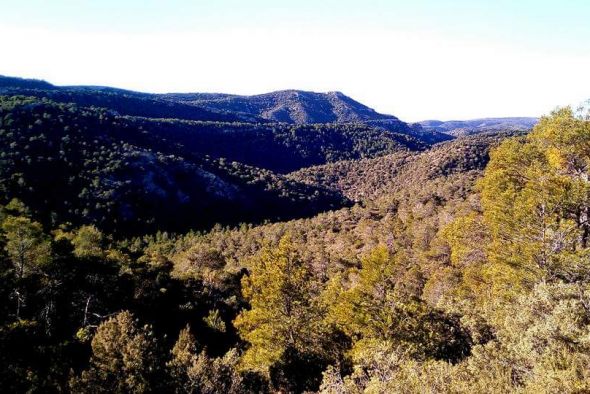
<point>425,60</point>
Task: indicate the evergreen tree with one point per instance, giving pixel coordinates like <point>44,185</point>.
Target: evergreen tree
<point>28,248</point>
<point>536,200</point>
<point>376,312</point>
<point>88,242</point>
<point>123,359</point>
<point>284,314</point>
<point>194,372</point>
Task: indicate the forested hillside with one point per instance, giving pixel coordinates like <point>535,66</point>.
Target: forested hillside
<point>282,148</point>
<point>367,179</point>
<point>169,254</point>
<point>301,107</point>
<point>132,175</point>
<point>288,107</point>
<point>93,167</point>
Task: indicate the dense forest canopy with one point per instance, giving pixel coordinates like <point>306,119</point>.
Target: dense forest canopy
<point>129,176</point>
<point>349,259</point>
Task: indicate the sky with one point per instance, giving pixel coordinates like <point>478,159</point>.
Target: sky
<point>420,59</point>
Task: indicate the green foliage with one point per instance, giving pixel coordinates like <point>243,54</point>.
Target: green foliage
<point>546,337</point>
<point>133,176</point>
<point>26,245</point>
<point>194,372</point>
<point>431,284</point>
<point>214,321</point>
<point>88,242</point>
<point>123,358</point>
<point>541,348</point>
<point>385,369</point>
<point>284,148</point>
<point>370,178</point>
<point>284,314</point>
<point>28,250</point>
<point>377,310</point>
<point>536,196</point>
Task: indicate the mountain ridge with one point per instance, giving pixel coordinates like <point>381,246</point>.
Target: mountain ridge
<point>457,128</point>
<point>296,107</point>
<point>282,106</point>
<point>292,106</point>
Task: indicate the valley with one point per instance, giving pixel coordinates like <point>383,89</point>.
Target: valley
<point>286,242</point>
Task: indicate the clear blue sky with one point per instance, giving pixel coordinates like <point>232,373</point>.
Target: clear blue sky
<point>415,59</point>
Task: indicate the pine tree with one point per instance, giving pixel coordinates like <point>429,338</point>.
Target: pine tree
<point>194,372</point>
<point>123,358</point>
<point>284,314</point>
<point>536,200</point>
<point>88,242</point>
<point>375,312</point>
<point>28,248</point>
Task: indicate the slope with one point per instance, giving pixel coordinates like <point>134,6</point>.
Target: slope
<point>366,180</point>
<point>302,107</point>
<point>124,102</point>
<point>83,165</point>
<point>281,147</point>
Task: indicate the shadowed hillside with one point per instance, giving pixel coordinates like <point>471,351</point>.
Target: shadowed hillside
<point>80,165</point>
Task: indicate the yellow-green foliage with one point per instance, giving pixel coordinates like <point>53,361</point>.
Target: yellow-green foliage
<point>542,347</point>
<point>88,242</point>
<point>378,311</point>
<point>429,286</point>
<point>196,372</point>
<point>284,313</point>
<point>364,311</point>
<point>123,358</point>
<point>26,244</point>
<point>536,199</point>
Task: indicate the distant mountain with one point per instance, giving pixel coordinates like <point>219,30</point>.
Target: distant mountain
<point>124,102</point>
<point>302,107</point>
<point>457,128</point>
<point>290,106</point>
